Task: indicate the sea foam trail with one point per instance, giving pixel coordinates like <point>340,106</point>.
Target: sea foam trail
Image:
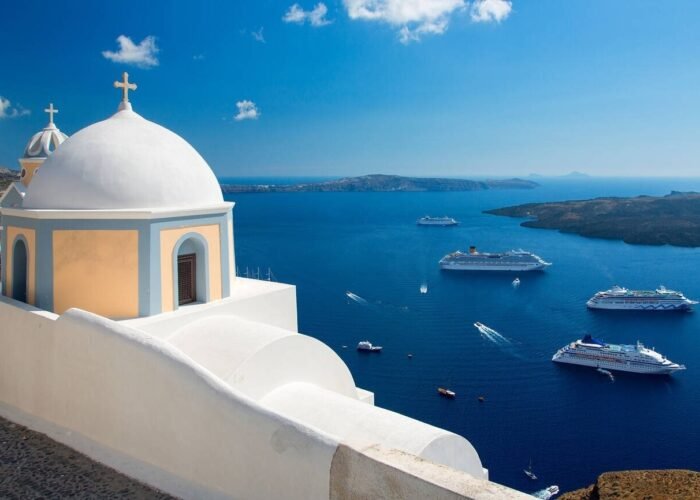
<point>356,298</point>
<point>499,340</point>
<point>491,334</point>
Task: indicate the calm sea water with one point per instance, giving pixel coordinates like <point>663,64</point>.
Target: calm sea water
<point>573,423</point>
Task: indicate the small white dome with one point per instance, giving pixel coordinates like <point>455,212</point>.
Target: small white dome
<point>43,143</point>
<point>124,162</point>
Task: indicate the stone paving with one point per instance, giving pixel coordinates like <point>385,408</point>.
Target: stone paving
<point>33,466</point>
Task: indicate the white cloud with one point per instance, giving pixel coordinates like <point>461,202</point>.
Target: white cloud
<point>295,14</point>
<point>258,35</point>
<point>316,17</point>
<point>7,110</point>
<point>142,55</point>
<point>247,110</point>
<point>414,17</point>
<point>484,11</point>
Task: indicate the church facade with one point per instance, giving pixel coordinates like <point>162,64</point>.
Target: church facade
<point>125,220</point>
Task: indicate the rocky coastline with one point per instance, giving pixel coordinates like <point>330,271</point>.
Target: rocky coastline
<point>640,484</point>
<point>673,219</point>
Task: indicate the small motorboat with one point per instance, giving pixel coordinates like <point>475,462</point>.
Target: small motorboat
<point>516,283</point>
<point>410,355</point>
<point>424,288</point>
<point>528,472</point>
<point>481,399</point>
<point>446,392</point>
<point>547,493</point>
<point>366,345</point>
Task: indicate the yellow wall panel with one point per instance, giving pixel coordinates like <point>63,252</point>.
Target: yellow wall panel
<point>168,239</point>
<point>231,252</point>
<point>96,270</point>
<point>29,235</point>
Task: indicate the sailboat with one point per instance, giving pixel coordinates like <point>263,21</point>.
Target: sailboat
<point>528,472</point>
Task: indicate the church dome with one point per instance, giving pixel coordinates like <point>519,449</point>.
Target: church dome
<point>124,162</point>
<point>43,143</point>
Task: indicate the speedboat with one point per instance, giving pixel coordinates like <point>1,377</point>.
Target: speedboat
<point>516,282</point>
<point>446,392</point>
<point>366,345</point>
<point>547,493</point>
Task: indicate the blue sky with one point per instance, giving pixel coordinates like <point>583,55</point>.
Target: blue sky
<point>415,87</point>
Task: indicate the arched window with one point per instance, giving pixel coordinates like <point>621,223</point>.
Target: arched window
<point>19,271</point>
<point>191,270</point>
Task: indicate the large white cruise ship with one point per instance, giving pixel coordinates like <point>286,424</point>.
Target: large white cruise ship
<point>515,260</point>
<point>660,299</point>
<point>436,221</point>
<point>627,358</point>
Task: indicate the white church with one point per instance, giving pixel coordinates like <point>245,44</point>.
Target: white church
<point>125,334</point>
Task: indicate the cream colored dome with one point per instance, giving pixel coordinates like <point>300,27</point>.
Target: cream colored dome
<point>124,162</point>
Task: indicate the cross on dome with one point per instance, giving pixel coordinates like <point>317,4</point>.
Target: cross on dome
<point>126,86</point>
<point>50,110</point>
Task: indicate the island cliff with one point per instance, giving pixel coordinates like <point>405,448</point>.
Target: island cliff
<point>379,182</point>
<point>647,484</point>
<point>673,219</point>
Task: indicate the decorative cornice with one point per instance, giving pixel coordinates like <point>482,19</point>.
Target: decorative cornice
<point>160,213</point>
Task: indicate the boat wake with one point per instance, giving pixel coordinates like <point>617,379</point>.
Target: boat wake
<point>378,306</point>
<point>547,493</point>
<point>504,344</point>
<point>356,298</point>
<point>491,335</point>
<point>608,373</point>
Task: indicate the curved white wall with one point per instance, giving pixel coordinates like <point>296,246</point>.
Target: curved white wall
<point>255,358</point>
<point>364,425</point>
<point>139,405</point>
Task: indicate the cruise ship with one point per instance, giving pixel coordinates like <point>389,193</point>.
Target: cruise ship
<point>436,221</point>
<point>515,260</point>
<point>660,299</point>
<point>627,358</point>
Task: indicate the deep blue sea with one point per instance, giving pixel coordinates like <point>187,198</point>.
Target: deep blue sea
<point>573,423</point>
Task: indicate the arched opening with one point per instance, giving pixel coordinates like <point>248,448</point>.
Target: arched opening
<point>191,271</point>
<point>19,271</point>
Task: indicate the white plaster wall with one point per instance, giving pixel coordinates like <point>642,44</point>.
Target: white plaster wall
<point>264,302</point>
<point>363,425</point>
<point>137,404</point>
<point>379,473</point>
<point>255,358</point>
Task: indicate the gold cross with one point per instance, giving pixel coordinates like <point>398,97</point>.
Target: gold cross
<point>125,86</point>
<point>51,110</point>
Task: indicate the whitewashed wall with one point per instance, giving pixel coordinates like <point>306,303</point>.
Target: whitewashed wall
<point>115,394</point>
<point>139,405</point>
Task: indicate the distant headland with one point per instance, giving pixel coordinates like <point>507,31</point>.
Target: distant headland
<point>673,219</point>
<point>7,177</point>
<point>384,183</point>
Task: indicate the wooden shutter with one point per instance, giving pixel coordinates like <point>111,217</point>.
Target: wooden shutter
<point>186,278</point>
